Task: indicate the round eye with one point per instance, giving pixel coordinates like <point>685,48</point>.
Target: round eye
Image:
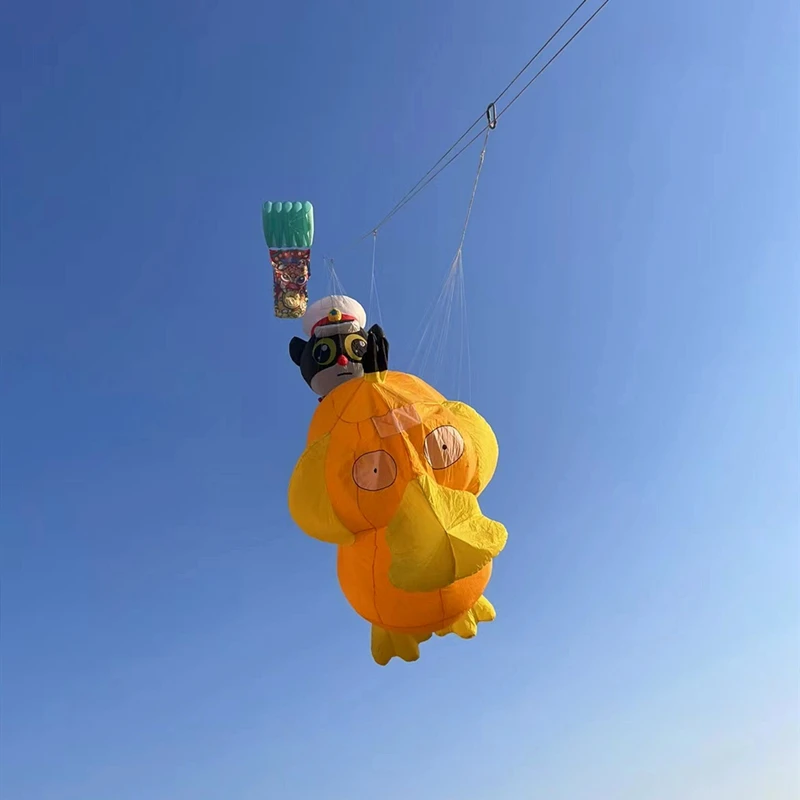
<point>375,471</point>
<point>324,352</point>
<point>356,346</point>
<point>443,447</point>
<point>300,279</point>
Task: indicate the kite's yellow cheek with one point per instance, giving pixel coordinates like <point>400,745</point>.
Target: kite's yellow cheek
<point>366,476</point>
<point>481,449</point>
<point>309,502</point>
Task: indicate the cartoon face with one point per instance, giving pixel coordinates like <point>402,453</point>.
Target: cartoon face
<point>401,437</point>
<point>293,277</point>
<point>339,348</point>
<point>331,360</point>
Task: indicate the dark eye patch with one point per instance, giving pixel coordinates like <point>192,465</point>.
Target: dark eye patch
<point>324,352</point>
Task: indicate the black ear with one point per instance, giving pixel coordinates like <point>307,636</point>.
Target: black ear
<point>296,347</point>
<point>377,357</point>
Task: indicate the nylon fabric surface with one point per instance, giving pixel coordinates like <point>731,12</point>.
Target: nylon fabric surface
<point>391,474</point>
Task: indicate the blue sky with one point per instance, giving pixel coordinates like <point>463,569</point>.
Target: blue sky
<point>631,274</point>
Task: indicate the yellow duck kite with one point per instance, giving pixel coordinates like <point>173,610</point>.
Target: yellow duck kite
<point>391,474</point>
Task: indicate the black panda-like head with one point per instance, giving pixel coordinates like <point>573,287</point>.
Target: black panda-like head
<point>338,348</point>
<point>330,359</point>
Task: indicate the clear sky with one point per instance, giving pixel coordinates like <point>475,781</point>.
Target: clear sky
<point>631,274</point>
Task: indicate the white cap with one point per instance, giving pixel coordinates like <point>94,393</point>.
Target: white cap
<point>322,313</point>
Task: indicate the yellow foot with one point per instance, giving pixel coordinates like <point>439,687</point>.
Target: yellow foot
<point>466,626</point>
<point>386,645</point>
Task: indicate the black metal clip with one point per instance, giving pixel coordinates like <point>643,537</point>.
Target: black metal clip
<point>491,116</point>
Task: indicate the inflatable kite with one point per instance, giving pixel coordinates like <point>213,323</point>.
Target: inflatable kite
<point>289,232</point>
<point>391,474</point>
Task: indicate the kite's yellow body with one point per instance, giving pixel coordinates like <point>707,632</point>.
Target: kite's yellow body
<point>391,474</point>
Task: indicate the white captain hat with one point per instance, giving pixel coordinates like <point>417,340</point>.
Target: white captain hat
<point>334,314</point>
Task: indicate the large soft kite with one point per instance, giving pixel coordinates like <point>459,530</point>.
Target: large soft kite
<point>391,474</point>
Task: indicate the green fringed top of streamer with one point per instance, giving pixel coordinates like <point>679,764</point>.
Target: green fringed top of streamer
<point>288,224</point>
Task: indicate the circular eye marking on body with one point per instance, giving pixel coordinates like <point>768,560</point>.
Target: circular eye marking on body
<point>324,352</point>
<point>375,471</point>
<point>443,447</point>
<point>355,346</point>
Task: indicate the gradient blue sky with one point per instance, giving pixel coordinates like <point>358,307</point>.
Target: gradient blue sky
<point>631,273</point>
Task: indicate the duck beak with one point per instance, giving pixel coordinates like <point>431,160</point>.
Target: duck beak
<point>439,536</point>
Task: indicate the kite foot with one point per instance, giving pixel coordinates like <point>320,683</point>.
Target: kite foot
<point>466,626</point>
<point>387,644</point>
